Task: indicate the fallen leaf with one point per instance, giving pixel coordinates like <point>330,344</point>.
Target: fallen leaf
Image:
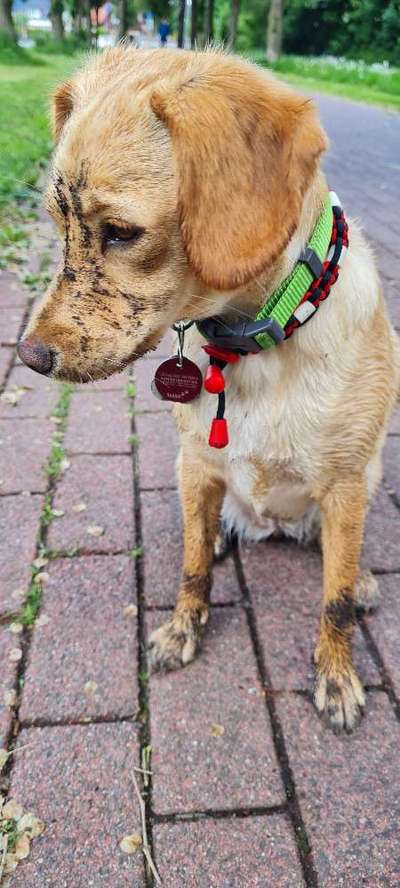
<point>3,757</point>
<point>130,610</point>
<point>15,655</point>
<point>131,844</point>
<point>42,577</point>
<point>42,620</point>
<point>90,687</point>
<point>56,419</point>
<point>95,530</point>
<point>30,825</point>
<point>12,810</point>
<point>10,698</point>
<point>79,507</point>
<point>18,593</point>
<point>217,730</point>
<point>10,864</point>
<point>16,628</point>
<point>57,513</point>
<point>21,848</point>
<point>64,465</point>
<point>14,396</point>
<point>40,562</point>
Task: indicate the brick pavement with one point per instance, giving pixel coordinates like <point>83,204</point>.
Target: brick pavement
<point>247,788</point>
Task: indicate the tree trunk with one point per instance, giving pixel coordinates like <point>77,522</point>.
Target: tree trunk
<point>123,18</point>
<point>233,19</point>
<point>6,20</point>
<point>193,25</point>
<point>57,24</point>
<point>208,20</point>
<point>76,11</point>
<point>274,31</point>
<point>86,20</point>
<point>181,23</point>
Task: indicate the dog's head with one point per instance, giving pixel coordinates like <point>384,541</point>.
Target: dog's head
<point>177,178</point>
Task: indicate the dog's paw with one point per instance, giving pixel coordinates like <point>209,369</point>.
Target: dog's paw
<point>340,701</point>
<point>176,642</point>
<point>366,591</point>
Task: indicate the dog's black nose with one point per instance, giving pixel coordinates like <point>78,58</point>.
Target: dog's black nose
<point>35,354</point>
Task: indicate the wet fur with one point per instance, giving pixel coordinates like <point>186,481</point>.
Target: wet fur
<point>218,164</point>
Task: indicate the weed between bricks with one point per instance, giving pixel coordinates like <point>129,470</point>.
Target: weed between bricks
<point>32,603</point>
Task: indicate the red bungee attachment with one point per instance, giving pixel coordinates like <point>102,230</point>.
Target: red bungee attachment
<point>214,383</point>
<point>218,433</point>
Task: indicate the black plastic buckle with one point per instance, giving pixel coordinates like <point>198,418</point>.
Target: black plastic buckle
<point>310,258</point>
<point>239,336</point>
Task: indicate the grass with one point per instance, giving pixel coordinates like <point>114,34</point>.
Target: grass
<point>26,82</point>
<point>374,84</point>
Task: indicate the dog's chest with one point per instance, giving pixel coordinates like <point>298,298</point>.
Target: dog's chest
<point>273,436</point>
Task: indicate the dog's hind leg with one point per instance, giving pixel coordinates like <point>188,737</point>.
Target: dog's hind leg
<point>339,696</point>
<point>175,643</point>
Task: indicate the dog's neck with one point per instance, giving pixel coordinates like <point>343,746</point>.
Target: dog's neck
<point>250,300</point>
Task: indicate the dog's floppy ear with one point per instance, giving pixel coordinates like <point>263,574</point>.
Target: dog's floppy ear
<point>62,108</point>
<point>246,149</point>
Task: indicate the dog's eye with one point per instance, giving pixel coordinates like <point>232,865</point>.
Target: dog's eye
<point>115,234</point>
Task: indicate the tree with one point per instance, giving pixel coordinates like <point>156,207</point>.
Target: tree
<point>275,31</point>
<point>181,23</point>
<point>6,20</point>
<point>208,26</point>
<point>57,24</point>
<point>193,25</point>
<point>233,19</point>
<point>123,18</point>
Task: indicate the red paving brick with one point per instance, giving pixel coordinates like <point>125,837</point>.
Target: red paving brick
<point>10,324</point>
<point>114,383</point>
<point>192,768</point>
<point>163,550</point>
<point>381,549</point>
<point>285,582</point>
<point>104,485</point>
<point>8,672</point>
<point>144,371</point>
<point>24,449</point>
<point>349,792</point>
<point>98,422</point>
<point>5,361</point>
<point>254,852</point>
<point>19,524</point>
<point>392,470</point>
<point>394,427</point>
<point>384,626</point>
<point>78,781</point>
<point>38,400</point>
<point>87,639</point>
<point>11,291</point>
<point>158,442</point>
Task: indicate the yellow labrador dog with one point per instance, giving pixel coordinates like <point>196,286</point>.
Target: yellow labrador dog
<point>187,186</point>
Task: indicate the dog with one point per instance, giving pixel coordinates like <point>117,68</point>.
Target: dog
<point>186,185</point>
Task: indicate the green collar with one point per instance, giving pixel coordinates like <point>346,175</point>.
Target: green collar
<point>269,325</point>
<point>281,305</point>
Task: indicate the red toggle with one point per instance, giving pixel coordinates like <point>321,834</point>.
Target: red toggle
<point>214,382</point>
<point>223,354</point>
<point>218,433</point>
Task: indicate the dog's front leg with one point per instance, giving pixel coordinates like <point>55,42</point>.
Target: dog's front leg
<point>175,643</point>
<point>339,696</point>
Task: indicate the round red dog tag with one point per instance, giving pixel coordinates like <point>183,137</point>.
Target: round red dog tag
<point>175,382</point>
